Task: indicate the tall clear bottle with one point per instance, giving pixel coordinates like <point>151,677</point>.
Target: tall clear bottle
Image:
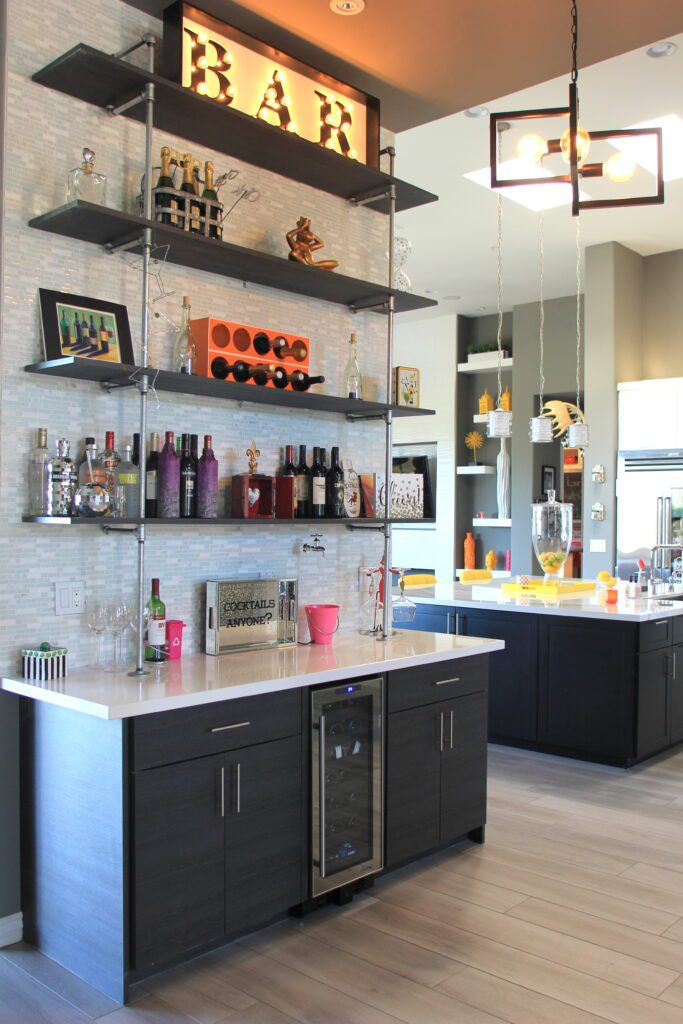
<point>108,464</point>
<point>64,479</point>
<point>40,477</point>
<point>128,487</point>
<point>185,348</point>
<point>354,380</point>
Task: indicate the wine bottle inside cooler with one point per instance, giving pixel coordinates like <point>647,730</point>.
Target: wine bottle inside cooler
<point>303,486</point>
<point>317,477</point>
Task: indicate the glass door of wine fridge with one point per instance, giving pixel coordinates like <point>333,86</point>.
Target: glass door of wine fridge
<point>347,785</point>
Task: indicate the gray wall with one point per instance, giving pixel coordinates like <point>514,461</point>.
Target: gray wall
<point>663,315</point>
<point>560,374</point>
<point>613,352</point>
<point>9,706</point>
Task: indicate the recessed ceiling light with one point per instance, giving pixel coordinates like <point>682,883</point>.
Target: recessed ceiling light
<point>481,309</point>
<point>663,49</point>
<point>347,7</point>
<point>477,112</point>
<point>452,298</point>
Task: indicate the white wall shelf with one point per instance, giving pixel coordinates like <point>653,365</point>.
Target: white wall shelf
<point>475,470</point>
<point>492,522</point>
<point>485,366</point>
<point>480,417</point>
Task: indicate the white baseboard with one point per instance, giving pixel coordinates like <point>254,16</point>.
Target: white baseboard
<point>11,929</point>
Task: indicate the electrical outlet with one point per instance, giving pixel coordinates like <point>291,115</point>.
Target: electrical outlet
<point>69,598</point>
<point>598,546</point>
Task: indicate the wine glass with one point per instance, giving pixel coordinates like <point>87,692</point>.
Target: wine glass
<point>96,617</point>
<point>118,618</point>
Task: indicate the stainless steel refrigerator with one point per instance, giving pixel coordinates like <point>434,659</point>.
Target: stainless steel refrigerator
<point>649,507</point>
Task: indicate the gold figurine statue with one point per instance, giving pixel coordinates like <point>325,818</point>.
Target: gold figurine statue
<point>303,244</point>
<point>253,454</point>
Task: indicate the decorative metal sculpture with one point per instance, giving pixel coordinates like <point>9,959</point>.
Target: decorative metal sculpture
<point>473,441</point>
<point>303,243</point>
<point>253,453</point>
<point>562,414</point>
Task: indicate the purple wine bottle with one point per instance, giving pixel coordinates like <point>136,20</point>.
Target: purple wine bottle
<point>207,482</point>
<point>168,480</point>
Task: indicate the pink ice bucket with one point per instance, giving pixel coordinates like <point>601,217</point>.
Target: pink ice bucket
<point>323,622</point>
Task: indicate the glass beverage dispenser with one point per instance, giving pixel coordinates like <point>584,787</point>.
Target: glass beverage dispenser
<point>551,533</point>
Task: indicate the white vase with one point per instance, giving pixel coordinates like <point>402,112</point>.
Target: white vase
<point>503,480</point>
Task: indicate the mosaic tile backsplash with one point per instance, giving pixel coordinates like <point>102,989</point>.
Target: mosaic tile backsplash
<point>46,132</point>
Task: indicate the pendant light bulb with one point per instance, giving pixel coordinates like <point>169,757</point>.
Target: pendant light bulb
<point>583,145</point>
<point>620,167</point>
<point>532,147</point>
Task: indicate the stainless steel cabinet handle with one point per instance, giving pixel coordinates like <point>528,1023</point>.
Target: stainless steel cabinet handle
<point>673,673</point>
<point>448,622</point>
<point>451,729</point>
<point>441,731</point>
<point>444,682</point>
<point>223,791</point>
<point>222,728</point>
<point>238,807</point>
<point>661,622</point>
<point>457,623</point>
<point>321,796</point>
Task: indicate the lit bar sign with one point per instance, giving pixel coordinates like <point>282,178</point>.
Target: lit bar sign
<point>237,70</point>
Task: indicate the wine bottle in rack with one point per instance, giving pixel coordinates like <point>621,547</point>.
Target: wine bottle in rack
<point>155,625</point>
<point>301,381</point>
<point>283,350</point>
<point>220,368</point>
<point>334,487</point>
<point>151,477</point>
<point>261,343</point>
<point>207,482</point>
<point>303,486</point>
<point>168,480</point>
<point>317,476</point>
<point>188,481</point>
<point>263,372</point>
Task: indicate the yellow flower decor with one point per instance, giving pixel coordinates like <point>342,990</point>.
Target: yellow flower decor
<point>473,441</point>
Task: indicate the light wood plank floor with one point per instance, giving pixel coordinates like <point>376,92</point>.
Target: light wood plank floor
<point>572,913</point>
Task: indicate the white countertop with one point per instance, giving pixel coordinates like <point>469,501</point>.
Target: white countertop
<point>201,679</point>
<point>490,596</point>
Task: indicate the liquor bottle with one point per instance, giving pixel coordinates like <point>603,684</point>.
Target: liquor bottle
<point>301,381</point>
<point>136,449</point>
<point>168,480</point>
<point>334,486</point>
<point>63,482</point>
<point>189,186</point>
<point>303,486</point>
<point>288,467</point>
<point>155,625</point>
<point>354,380</point>
<point>185,348</point>
<point>86,183</point>
<point>128,488</point>
<point>317,475</point>
<point>188,482</point>
<point>88,471</point>
<point>209,192</point>
<point>108,464</point>
<point>40,477</point>
<point>207,482</point>
<point>104,338</point>
<point>151,475</point>
<point>167,205</point>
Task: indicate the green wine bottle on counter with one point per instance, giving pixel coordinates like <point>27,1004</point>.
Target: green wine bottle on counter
<point>155,628</point>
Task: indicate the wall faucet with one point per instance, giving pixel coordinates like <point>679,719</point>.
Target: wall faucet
<point>315,546</point>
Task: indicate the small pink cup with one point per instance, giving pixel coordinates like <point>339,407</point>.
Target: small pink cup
<point>174,638</point>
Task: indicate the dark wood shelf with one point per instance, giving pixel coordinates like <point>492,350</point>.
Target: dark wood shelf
<point>115,376</point>
<point>100,225</point>
<point>105,81</point>
<point>110,523</point>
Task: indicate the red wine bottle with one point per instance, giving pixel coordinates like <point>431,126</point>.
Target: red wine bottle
<point>288,467</point>
<point>188,482</point>
<point>151,474</point>
<point>317,477</point>
<point>334,487</point>
<point>301,381</point>
<point>303,486</point>
<point>263,372</point>
<point>261,343</point>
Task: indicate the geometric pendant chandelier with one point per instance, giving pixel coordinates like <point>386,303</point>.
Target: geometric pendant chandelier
<point>535,152</point>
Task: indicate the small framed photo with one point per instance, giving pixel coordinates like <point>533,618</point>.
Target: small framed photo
<point>406,386</point>
<point>547,479</point>
<point>74,325</point>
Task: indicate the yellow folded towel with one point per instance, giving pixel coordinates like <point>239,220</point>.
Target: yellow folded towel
<point>419,580</point>
<point>475,575</point>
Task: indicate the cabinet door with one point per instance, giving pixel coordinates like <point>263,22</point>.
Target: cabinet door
<point>586,686</point>
<point>653,701</point>
<point>463,766</point>
<point>178,860</point>
<point>676,698</point>
<point>263,847</point>
<point>413,782</point>
<point>513,672</point>
<point>431,619</point>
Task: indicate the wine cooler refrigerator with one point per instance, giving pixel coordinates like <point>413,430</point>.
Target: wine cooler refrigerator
<point>347,724</point>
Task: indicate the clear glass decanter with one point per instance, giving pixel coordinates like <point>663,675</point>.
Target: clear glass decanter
<point>86,183</point>
<point>551,534</point>
<point>185,348</point>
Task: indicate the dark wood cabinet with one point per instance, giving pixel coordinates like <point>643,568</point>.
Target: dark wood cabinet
<point>513,672</point>
<point>436,774</point>
<point>653,717</point>
<point>178,860</point>
<point>586,685</point>
<point>432,619</point>
<point>263,850</point>
<point>676,698</point>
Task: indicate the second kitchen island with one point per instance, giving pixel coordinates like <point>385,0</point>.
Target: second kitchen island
<point>163,817</point>
<point>577,677</point>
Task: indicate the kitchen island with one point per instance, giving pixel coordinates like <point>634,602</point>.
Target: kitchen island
<point>167,815</point>
<point>577,677</point>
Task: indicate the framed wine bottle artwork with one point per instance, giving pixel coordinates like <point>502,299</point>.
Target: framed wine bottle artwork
<point>76,325</point>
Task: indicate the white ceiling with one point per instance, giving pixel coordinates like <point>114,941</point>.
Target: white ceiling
<point>453,241</point>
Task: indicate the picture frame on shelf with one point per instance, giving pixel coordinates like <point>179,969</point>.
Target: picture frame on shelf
<point>77,325</point>
<point>406,387</point>
<point>548,479</point>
